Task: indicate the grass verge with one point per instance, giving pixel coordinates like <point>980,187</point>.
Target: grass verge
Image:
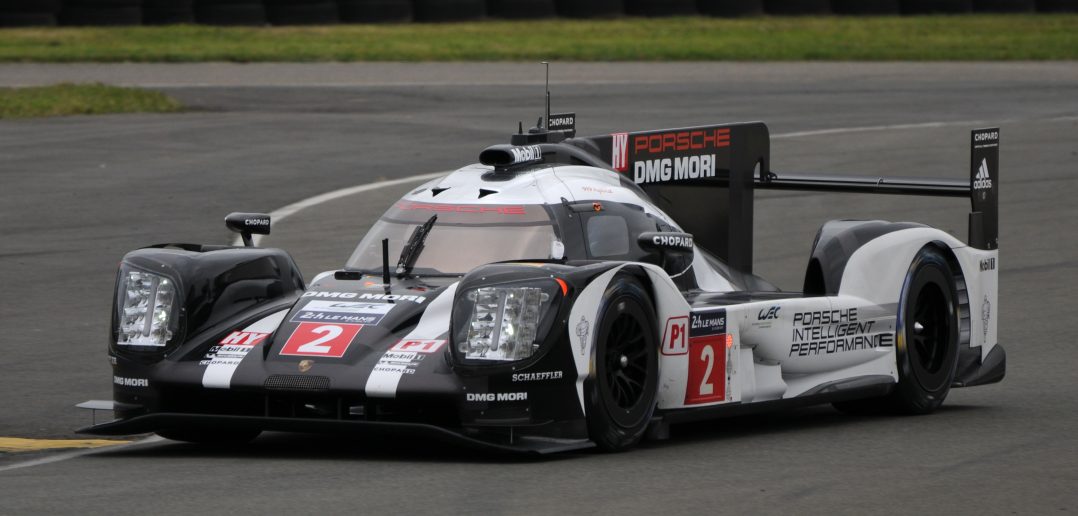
<point>82,99</point>
<point>973,37</point>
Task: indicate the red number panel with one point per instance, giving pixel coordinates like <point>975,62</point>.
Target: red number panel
<point>320,340</point>
<point>707,370</point>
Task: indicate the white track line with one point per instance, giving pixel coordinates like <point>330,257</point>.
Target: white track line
<point>287,211</point>
<point>77,453</point>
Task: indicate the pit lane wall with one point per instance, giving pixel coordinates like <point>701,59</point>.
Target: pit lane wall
<point>29,13</point>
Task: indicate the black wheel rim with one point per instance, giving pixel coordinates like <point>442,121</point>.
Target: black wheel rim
<point>626,361</point>
<point>929,334</point>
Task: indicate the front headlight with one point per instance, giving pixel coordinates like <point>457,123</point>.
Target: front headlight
<point>503,324</point>
<point>145,309</point>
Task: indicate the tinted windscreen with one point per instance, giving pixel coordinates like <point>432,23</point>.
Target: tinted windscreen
<point>462,238</point>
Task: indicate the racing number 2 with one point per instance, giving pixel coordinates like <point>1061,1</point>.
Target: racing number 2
<point>707,370</point>
<point>321,340</point>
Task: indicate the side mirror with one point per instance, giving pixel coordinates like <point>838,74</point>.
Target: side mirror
<point>247,224</point>
<point>675,249</point>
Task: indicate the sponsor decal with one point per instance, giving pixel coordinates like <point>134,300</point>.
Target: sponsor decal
<point>365,296</point>
<point>342,311</point>
<point>988,264</point>
<point>501,396</point>
<point>680,141</point>
<point>320,340</point>
<point>674,169</point>
<point>537,377</point>
<point>711,322</point>
<point>130,382</point>
<point>259,222</point>
<point>231,349</point>
<point>676,336</point>
<point>682,241</point>
<point>526,154</point>
<point>620,156</point>
<point>986,314</point>
<point>419,346</point>
<point>983,180</point>
<point>561,122</point>
<point>243,338</point>
<point>462,208</point>
<point>582,329</point>
<point>826,332</point>
<point>768,313</point>
<point>597,189</point>
<point>987,136</point>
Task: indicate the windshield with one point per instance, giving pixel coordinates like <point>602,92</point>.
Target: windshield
<point>463,237</point>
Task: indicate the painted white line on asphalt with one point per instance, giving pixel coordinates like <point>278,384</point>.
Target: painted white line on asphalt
<point>287,211</point>
<point>59,457</point>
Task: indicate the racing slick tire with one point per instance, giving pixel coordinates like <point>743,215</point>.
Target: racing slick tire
<point>209,435</point>
<point>927,343</point>
<point>620,399</point>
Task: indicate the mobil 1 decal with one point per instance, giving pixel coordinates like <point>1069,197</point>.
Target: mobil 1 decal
<point>709,348</point>
<point>670,155</point>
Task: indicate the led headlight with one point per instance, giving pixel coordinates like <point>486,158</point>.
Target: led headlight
<point>503,324</point>
<point>145,309</point>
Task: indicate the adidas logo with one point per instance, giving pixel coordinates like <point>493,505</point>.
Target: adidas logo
<point>982,181</point>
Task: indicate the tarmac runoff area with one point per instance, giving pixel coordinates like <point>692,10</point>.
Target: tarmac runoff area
<point>79,192</point>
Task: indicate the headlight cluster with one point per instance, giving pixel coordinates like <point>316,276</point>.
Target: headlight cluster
<point>145,305</point>
<point>503,324</point>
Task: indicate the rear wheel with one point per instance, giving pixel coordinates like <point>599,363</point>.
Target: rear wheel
<point>927,349</point>
<point>209,436</point>
<point>621,396</point>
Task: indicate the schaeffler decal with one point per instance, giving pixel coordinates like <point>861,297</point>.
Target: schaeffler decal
<point>986,315</point>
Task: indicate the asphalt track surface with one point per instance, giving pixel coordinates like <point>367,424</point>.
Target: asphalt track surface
<point>78,192</point>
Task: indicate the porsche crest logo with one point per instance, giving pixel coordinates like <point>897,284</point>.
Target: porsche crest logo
<point>305,365</point>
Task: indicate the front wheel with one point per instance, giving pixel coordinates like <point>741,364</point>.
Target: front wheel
<point>621,395</point>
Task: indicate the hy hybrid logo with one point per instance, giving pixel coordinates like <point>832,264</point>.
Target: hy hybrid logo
<point>983,181</point>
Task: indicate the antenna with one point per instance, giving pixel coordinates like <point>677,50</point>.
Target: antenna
<point>547,124</point>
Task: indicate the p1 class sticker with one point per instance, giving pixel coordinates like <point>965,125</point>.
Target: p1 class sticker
<point>321,340</point>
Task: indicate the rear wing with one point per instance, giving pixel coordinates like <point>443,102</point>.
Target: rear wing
<point>704,177</point>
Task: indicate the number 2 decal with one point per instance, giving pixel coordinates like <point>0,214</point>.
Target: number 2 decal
<point>329,333</point>
<point>320,340</point>
<point>707,370</point>
<point>707,354</point>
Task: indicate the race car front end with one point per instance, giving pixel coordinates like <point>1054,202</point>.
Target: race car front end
<point>200,349</point>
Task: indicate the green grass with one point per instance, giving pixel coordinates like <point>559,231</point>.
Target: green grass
<point>81,99</point>
<point>980,37</point>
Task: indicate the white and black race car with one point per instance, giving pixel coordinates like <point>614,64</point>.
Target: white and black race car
<point>565,292</point>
